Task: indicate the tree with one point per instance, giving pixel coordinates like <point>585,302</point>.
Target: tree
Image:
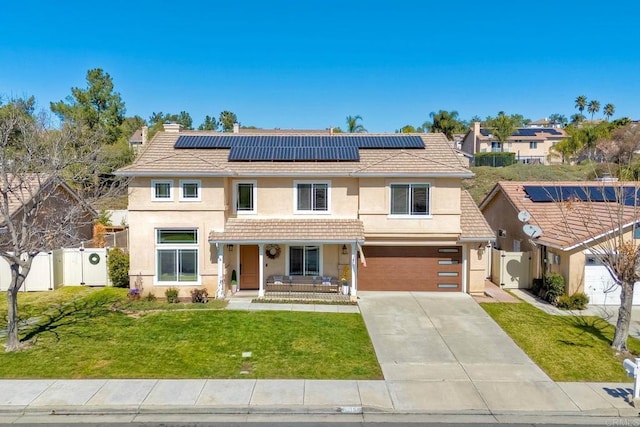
<point>157,121</point>
<point>593,107</point>
<point>407,129</point>
<point>353,126</point>
<point>97,108</point>
<point>608,111</point>
<point>581,104</point>
<point>227,119</point>
<point>620,146</point>
<point>210,123</point>
<point>611,240</point>
<point>446,122</point>
<point>576,119</point>
<point>35,215</point>
<point>502,127</point>
<point>557,119</point>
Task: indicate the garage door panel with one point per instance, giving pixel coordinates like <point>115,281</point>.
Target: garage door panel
<point>411,268</point>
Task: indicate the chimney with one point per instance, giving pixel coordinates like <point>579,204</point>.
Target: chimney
<point>236,128</point>
<point>172,127</point>
<point>331,131</point>
<point>476,128</point>
<point>145,133</point>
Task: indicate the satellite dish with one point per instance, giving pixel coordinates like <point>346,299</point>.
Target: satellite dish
<point>524,216</point>
<point>532,231</point>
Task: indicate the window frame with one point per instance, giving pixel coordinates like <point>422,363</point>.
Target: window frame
<point>311,211</point>
<point>304,263</point>
<point>198,184</point>
<point>154,193</point>
<point>410,185</point>
<point>254,196</point>
<point>533,145</point>
<point>177,247</point>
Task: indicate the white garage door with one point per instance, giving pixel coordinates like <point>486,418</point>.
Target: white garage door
<point>599,285</point>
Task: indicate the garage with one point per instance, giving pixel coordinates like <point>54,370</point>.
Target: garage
<point>411,268</point>
<point>600,287</point>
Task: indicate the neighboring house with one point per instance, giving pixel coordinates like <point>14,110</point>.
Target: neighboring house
<point>530,145</point>
<point>384,212</point>
<point>139,138</point>
<point>21,190</point>
<point>544,123</point>
<point>570,224</point>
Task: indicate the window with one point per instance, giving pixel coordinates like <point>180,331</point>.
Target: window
<point>162,190</point>
<point>533,145</point>
<point>311,197</point>
<point>496,146</point>
<point>177,256</point>
<point>304,260</point>
<point>636,231</point>
<point>190,190</point>
<point>409,199</point>
<point>245,197</point>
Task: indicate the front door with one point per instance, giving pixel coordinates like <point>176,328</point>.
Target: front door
<point>249,266</point>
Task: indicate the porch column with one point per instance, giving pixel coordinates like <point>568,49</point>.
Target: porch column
<point>261,269</point>
<point>354,270</point>
<point>220,293</point>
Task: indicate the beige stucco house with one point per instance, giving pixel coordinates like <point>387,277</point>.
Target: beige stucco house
<point>574,224</point>
<point>381,212</point>
<point>530,144</point>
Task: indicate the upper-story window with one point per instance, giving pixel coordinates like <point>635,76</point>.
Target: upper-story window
<point>533,145</point>
<point>245,197</point>
<point>311,197</point>
<point>410,199</point>
<point>162,190</point>
<point>190,190</point>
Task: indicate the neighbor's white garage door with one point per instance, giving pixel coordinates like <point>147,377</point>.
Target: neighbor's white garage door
<point>599,285</point>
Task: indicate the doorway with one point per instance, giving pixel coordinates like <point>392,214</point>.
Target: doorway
<point>249,268</point>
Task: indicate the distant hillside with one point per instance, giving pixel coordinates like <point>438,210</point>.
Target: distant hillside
<point>487,177</point>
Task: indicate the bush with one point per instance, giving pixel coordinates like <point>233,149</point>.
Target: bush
<point>552,287</point>
<point>199,296</point>
<point>577,301</point>
<point>150,297</point>
<point>172,295</point>
<point>118,265</point>
<point>494,159</point>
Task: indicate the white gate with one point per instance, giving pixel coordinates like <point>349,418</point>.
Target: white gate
<point>511,270</point>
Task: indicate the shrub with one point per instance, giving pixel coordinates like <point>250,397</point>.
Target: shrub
<point>199,296</point>
<point>577,301</point>
<point>118,265</point>
<point>553,287</point>
<point>172,295</point>
<point>150,297</point>
<point>494,159</point>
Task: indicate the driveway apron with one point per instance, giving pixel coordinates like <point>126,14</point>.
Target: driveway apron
<point>438,348</point>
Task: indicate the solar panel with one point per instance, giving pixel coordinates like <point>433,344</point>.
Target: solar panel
<point>629,196</point>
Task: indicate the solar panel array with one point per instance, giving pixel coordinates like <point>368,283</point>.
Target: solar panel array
<point>525,132</point>
<point>629,196</point>
<point>297,148</point>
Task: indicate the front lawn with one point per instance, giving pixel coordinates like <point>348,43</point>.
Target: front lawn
<point>567,348</point>
<point>99,334</point>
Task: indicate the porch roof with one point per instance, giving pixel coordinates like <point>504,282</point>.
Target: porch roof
<point>241,230</point>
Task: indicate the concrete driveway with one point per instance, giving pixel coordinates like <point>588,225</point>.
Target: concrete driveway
<point>435,349</point>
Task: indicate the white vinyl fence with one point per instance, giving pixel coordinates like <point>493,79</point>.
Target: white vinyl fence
<point>62,267</point>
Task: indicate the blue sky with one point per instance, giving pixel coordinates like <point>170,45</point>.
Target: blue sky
<point>307,65</point>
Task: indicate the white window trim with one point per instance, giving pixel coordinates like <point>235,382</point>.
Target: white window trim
<point>409,216</point>
<point>190,199</point>
<point>254,211</point>
<point>153,190</point>
<point>311,212</point>
<point>287,259</point>
<point>196,246</point>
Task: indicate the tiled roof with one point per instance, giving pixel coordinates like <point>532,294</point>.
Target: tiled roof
<point>21,189</point>
<point>160,158</point>
<point>472,222</point>
<point>239,230</point>
<point>566,224</point>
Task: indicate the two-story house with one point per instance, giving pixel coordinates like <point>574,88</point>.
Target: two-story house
<point>530,144</point>
<point>386,212</point>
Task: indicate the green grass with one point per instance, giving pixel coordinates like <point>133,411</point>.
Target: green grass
<point>99,334</point>
<point>567,348</point>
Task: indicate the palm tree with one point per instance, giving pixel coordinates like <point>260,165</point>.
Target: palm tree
<point>608,110</point>
<point>446,122</point>
<point>576,119</point>
<point>593,107</point>
<point>581,103</point>
<point>353,126</point>
<point>502,127</point>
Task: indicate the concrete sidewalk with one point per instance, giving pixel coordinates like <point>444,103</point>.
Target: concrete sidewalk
<point>441,355</point>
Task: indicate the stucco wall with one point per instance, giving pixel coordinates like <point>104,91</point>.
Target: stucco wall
<point>502,215</point>
<point>476,268</point>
